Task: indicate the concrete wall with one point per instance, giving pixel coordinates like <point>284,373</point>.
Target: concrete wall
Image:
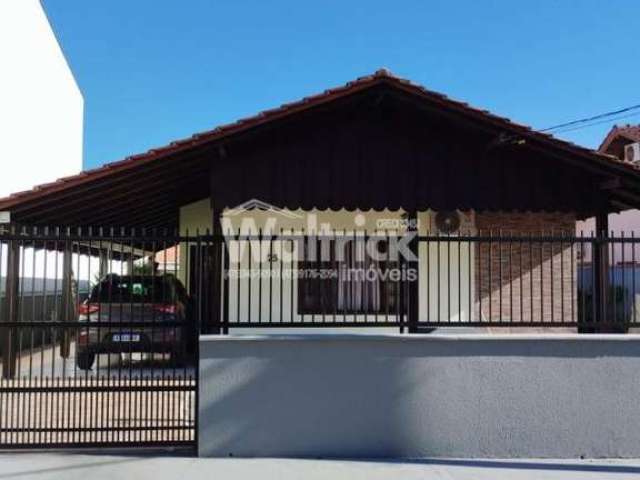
<point>416,396</point>
<point>41,113</point>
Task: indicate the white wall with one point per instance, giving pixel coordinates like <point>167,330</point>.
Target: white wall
<point>41,107</point>
<point>627,224</point>
<point>417,396</point>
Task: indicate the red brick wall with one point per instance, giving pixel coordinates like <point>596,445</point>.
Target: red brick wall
<point>523,282</point>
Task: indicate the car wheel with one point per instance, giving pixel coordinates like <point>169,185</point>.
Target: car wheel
<point>85,360</point>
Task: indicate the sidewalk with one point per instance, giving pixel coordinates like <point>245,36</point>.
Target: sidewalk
<point>72,466</point>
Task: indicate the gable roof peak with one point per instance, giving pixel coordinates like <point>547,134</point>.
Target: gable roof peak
<point>628,132</point>
<point>384,72</point>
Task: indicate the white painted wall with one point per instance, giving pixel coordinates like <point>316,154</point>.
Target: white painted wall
<point>41,107</point>
<point>623,224</point>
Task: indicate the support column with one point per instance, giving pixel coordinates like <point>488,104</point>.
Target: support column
<point>10,314</point>
<point>103,267</point>
<point>215,325</point>
<point>67,312</point>
<point>413,308</point>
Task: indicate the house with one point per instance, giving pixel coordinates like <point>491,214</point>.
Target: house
<point>358,158</point>
<point>377,204</point>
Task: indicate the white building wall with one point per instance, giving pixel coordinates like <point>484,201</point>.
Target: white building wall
<point>623,224</point>
<point>41,107</point>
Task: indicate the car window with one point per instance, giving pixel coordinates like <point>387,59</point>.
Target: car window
<point>134,290</point>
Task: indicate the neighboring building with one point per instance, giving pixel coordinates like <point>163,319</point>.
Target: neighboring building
<point>618,138</point>
<point>622,142</point>
<point>41,106</point>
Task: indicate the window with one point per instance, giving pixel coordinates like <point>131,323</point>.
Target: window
<point>347,282</point>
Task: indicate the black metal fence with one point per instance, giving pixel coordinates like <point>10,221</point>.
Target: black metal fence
<point>98,340</point>
<point>117,364</point>
<point>414,282</point>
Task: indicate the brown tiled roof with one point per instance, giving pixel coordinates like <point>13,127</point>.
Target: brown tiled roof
<point>161,154</point>
<point>628,132</point>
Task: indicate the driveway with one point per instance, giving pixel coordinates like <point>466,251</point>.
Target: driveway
<point>43,362</point>
<point>131,400</point>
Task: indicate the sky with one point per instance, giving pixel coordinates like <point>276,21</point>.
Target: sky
<point>152,71</point>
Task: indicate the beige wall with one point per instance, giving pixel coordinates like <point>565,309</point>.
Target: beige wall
<point>195,219</point>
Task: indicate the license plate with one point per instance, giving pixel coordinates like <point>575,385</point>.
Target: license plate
<point>126,337</point>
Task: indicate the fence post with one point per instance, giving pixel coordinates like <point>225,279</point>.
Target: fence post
<point>225,287</point>
<point>602,222</point>
<point>413,310</point>
<point>11,312</point>
<point>601,266</point>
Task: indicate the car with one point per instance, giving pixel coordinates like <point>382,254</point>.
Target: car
<point>136,314</point>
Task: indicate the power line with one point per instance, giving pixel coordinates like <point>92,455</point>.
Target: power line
<point>579,124</point>
<point>579,127</point>
<point>590,119</point>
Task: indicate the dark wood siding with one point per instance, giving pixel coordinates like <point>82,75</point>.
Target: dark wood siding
<point>381,151</point>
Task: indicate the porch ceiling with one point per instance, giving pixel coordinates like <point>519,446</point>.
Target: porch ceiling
<point>148,189</point>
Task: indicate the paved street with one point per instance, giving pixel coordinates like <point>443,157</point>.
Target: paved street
<point>70,466</point>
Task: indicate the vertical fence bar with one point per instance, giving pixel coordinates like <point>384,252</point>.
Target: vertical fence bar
<point>541,248</point>
<point>11,311</point>
<point>226,259</point>
<point>414,283</point>
<point>634,269</point>
<point>511,276</point>
<point>471,274</point>
<point>625,290</point>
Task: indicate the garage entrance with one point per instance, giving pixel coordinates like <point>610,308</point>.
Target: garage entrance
<point>98,340</point>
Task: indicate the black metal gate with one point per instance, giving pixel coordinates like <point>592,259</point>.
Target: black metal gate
<point>98,339</point>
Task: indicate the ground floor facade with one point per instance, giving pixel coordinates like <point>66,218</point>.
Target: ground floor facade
<point>460,280</point>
